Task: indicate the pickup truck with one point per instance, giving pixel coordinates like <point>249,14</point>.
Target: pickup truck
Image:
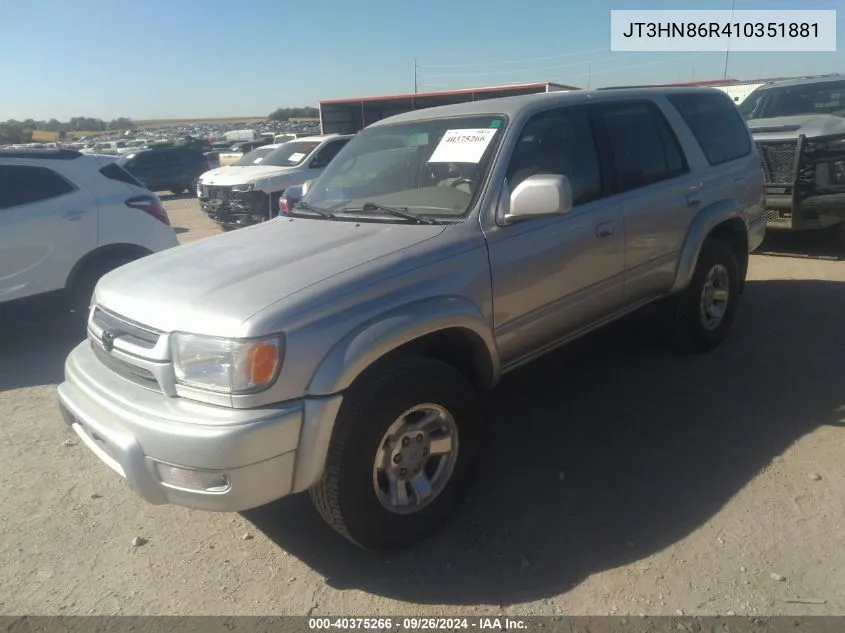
<point>339,349</point>
<point>250,194</point>
<point>799,128</point>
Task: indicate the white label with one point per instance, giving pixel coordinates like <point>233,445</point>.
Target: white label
<point>723,30</point>
<point>296,157</point>
<point>462,146</point>
<point>257,160</point>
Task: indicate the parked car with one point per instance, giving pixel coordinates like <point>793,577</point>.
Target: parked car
<point>174,169</point>
<point>66,219</point>
<point>799,128</point>
<point>250,194</point>
<point>340,350</point>
<point>238,151</point>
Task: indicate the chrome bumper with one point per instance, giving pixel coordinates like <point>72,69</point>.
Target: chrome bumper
<point>243,458</point>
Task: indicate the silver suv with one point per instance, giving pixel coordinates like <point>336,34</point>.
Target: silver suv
<point>339,349</point>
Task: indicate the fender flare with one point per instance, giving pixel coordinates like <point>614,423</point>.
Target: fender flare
<point>703,224</point>
<point>387,332</point>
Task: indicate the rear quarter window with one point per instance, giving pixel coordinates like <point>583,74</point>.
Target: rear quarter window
<point>716,124</point>
<point>113,171</point>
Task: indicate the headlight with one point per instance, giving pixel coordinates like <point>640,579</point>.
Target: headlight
<point>244,188</point>
<point>226,365</point>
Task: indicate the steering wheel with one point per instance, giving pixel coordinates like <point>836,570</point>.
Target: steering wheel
<point>461,181</point>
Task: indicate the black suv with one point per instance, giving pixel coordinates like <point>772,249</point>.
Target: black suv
<point>175,169</point>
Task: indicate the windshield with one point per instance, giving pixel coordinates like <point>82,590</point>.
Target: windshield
<point>813,98</point>
<point>428,167</point>
<point>290,154</point>
<point>255,157</point>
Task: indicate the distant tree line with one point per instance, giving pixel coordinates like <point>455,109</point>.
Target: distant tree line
<point>283,114</point>
<point>13,131</point>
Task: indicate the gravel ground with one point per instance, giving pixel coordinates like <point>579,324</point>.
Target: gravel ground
<point>620,480</point>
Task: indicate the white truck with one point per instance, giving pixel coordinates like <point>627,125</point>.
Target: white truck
<point>241,135</point>
<point>248,191</point>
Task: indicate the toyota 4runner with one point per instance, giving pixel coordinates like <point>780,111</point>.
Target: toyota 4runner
<point>339,349</point>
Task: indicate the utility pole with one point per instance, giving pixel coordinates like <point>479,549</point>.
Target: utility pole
<point>415,75</point>
<point>589,75</point>
<point>728,49</point>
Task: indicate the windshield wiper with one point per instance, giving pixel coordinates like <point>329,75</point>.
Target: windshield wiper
<point>400,212</point>
<point>310,207</point>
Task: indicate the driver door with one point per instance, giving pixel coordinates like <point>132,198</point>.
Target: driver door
<point>555,276</point>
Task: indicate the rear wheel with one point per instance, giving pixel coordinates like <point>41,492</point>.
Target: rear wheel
<point>402,454</point>
<point>700,318</point>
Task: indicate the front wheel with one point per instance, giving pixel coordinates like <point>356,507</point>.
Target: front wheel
<point>402,454</point>
<point>699,319</point>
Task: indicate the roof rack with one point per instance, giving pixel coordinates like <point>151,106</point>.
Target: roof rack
<point>50,154</point>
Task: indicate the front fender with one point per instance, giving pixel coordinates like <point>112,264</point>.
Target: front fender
<point>385,333</point>
<point>706,220</point>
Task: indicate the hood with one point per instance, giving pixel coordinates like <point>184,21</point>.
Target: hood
<point>214,285</point>
<point>234,175</point>
<point>810,125</point>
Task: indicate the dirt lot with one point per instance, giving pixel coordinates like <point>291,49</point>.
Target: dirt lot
<point>621,479</point>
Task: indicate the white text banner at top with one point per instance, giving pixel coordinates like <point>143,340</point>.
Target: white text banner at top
<point>723,30</point>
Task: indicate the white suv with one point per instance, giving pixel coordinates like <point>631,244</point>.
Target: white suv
<point>66,219</point>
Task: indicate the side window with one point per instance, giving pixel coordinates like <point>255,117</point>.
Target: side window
<point>145,159</point>
<point>20,185</point>
<point>559,142</point>
<point>329,151</point>
<point>716,124</point>
<point>643,146</point>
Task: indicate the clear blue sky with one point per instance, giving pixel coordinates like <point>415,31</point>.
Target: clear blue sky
<point>204,58</point>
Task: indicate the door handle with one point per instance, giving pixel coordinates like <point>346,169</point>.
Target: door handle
<point>606,229</point>
<point>73,216</point>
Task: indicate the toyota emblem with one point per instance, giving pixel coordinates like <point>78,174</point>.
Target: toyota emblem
<point>108,340</point>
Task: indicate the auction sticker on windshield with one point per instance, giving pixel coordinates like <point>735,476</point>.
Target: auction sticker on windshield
<point>296,157</point>
<point>462,146</point>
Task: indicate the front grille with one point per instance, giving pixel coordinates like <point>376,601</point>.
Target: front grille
<point>127,331</point>
<point>132,373</point>
<point>774,218</point>
<point>778,161</point>
<point>130,332</point>
<point>213,192</point>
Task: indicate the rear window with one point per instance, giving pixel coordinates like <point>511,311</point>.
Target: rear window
<point>113,171</point>
<point>716,124</point>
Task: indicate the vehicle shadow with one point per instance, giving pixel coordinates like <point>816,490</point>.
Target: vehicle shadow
<point>605,453</point>
<point>801,244</point>
<point>179,230</point>
<point>34,345</point>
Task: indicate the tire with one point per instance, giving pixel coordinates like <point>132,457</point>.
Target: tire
<point>346,496</point>
<point>178,192</point>
<point>682,316</point>
<point>82,290</point>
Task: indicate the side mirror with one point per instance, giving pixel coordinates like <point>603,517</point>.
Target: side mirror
<point>539,196</point>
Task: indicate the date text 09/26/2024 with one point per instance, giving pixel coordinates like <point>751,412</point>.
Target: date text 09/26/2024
<point>417,624</point>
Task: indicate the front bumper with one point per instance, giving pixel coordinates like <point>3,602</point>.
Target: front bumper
<point>237,208</point>
<point>253,452</point>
